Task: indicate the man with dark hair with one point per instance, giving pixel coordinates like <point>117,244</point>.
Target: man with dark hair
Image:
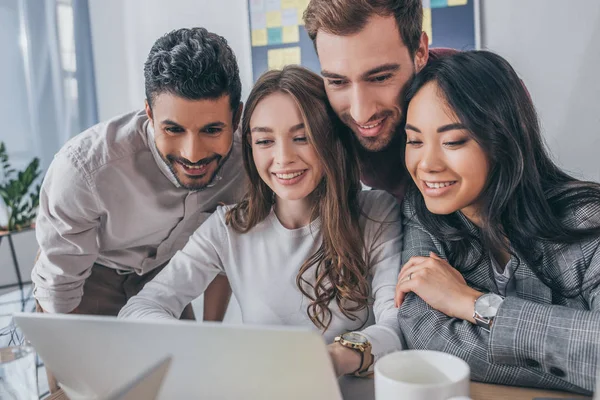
<point>369,50</point>
<point>120,199</point>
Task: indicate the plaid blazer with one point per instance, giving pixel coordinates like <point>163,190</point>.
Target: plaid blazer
<point>539,338</point>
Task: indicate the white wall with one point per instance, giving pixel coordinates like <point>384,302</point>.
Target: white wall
<point>123,32</point>
<point>555,46</point>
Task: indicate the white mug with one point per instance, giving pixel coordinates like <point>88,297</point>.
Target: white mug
<point>421,375</point>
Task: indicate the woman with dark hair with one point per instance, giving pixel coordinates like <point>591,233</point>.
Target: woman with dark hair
<point>304,246</point>
<point>501,256</point>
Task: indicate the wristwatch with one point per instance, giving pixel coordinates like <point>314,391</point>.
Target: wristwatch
<point>358,342</point>
<point>486,308</point>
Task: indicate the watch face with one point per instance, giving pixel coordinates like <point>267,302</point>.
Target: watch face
<point>354,338</point>
<point>488,304</point>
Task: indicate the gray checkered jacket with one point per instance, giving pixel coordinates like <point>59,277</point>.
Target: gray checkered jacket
<point>539,337</point>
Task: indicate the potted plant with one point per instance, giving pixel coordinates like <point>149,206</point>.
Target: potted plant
<point>21,198</point>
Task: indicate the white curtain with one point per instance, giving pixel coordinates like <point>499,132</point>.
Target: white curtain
<point>47,90</point>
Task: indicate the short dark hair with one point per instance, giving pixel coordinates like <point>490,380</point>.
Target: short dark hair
<point>346,17</point>
<point>194,64</point>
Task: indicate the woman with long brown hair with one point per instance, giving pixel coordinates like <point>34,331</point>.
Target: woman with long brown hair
<point>305,246</point>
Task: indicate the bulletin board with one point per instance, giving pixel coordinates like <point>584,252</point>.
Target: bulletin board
<point>278,37</point>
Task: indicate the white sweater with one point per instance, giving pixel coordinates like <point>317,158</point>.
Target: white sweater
<point>262,265</point>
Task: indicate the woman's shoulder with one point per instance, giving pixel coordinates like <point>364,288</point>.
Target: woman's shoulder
<point>584,215</point>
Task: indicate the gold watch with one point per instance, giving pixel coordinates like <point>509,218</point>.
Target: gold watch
<point>358,342</point>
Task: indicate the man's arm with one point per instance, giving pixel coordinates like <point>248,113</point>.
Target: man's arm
<point>216,299</point>
<point>66,230</point>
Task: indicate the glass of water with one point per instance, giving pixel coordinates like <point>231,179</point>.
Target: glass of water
<point>18,375</point>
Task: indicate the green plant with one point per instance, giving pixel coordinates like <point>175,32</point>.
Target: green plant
<point>20,199</point>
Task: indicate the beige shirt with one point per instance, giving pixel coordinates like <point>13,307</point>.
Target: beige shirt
<point>109,198</point>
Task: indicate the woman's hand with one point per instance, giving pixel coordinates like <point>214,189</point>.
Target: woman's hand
<point>345,360</point>
<point>439,285</point>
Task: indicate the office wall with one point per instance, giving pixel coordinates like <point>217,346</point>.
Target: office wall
<point>555,46</point>
<point>123,32</point>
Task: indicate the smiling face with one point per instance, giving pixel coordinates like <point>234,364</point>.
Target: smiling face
<point>365,75</point>
<point>194,137</point>
<point>284,158</point>
<point>448,166</point>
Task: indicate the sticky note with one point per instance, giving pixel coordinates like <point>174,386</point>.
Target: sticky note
<point>457,3</point>
<point>275,59</point>
<point>302,4</point>
<point>439,3</point>
<point>289,17</point>
<point>272,5</point>
<point>291,34</point>
<point>427,24</point>
<point>258,20</point>
<point>289,4</point>
<point>257,6</point>
<point>259,37</point>
<point>274,35</point>
<point>291,55</point>
<point>273,19</point>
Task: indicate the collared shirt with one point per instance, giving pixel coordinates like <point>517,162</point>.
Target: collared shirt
<point>109,198</point>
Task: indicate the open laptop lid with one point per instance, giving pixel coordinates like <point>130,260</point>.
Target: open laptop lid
<point>93,356</point>
<point>146,385</point>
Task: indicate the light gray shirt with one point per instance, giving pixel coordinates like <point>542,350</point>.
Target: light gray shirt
<point>503,276</point>
<point>262,266</point>
<point>109,198</point>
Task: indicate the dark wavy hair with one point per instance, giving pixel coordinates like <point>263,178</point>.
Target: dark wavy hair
<point>340,266</point>
<point>194,64</point>
<point>527,197</point>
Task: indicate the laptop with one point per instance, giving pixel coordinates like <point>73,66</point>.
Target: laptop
<point>146,386</point>
<point>93,356</point>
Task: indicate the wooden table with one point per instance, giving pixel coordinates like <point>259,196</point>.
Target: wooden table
<point>479,391</point>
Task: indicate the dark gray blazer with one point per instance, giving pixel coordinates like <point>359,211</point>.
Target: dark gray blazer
<point>539,338</point>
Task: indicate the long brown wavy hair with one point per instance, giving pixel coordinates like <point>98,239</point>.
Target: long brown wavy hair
<point>341,268</point>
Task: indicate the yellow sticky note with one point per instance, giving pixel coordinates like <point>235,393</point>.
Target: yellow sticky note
<point>291,34</point>
<point>427,23</point>
<point>259,37</point>
<point>273,19</point>
<point>457,3</point>
<point>289,3</point>
<point>302,4</point>
<point>275,59</point>
<point>291,55</point>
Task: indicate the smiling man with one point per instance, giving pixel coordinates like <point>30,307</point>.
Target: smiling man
<point>369,50</point>
<point>121,198</point>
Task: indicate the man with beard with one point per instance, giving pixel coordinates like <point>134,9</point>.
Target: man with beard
<point>369,50</point>
<point>120,199</point>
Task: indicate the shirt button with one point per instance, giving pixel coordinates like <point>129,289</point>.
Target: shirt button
<point>532,363</point>
<point>557,372</point>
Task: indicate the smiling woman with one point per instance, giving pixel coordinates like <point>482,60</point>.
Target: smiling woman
<point>305,246</point>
